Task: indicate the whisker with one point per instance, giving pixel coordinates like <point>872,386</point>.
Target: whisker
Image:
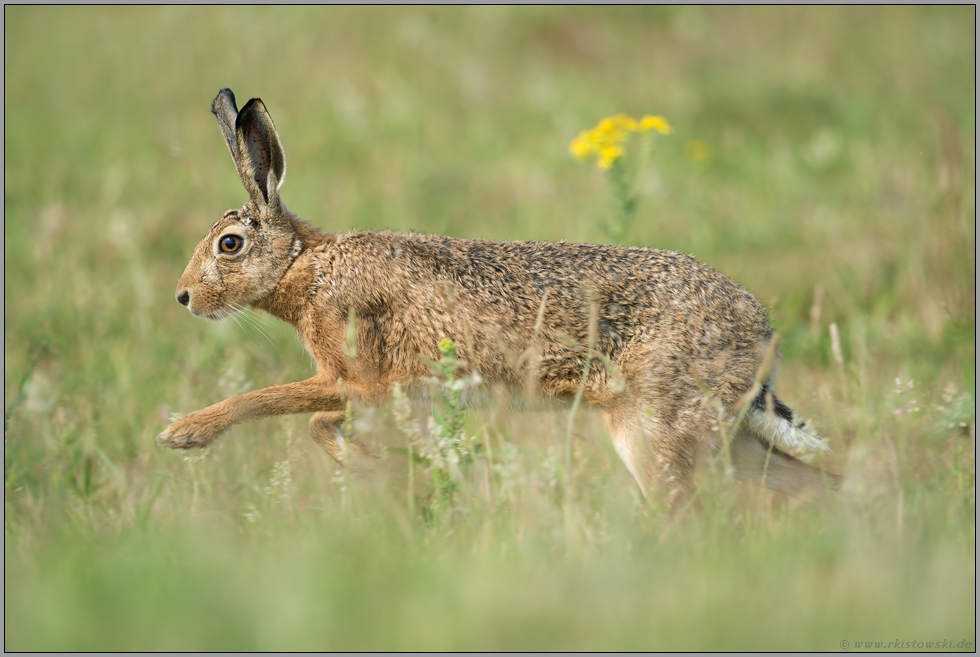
<point>257,322</point>
<point>244,328</point>
<point>246,318</point>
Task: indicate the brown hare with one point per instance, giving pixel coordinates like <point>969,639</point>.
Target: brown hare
<point>678,331</point>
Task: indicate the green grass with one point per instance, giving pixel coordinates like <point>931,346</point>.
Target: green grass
<point>842,168</point>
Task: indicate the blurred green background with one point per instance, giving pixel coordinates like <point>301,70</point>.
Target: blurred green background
<point>824,158</point>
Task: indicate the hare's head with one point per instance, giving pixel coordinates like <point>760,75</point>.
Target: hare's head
<point>244,256</point>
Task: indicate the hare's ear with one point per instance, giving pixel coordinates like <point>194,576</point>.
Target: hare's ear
<point>259,157</point>
<point>226,111</point>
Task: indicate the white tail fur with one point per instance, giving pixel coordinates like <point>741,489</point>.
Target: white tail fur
<point>779,431</point>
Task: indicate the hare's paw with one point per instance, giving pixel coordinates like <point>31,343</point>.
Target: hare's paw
<point>190,431</point>
<point>325,430</point>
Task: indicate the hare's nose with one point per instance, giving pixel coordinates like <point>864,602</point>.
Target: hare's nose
<point>184,297</point>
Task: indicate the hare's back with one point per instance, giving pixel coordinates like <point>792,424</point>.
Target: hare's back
<point>632,288</point>
<point>642,277</point>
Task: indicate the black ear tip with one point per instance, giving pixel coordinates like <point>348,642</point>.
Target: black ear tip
<point>254,102</point>
<point>252,107</point>
<point>225,96</point>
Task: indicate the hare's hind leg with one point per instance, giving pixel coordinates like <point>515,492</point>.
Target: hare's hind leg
<point>326,432</point>
<point>663,458</point>
<point>758,461</point>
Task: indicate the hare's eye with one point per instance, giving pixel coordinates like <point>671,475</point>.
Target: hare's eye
<point>231,243</point>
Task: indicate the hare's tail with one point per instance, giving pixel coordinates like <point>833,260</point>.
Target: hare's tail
<point>780,426</point>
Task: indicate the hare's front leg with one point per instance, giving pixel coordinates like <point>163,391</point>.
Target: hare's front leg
<point>325,430</point>
<point>200,428</point>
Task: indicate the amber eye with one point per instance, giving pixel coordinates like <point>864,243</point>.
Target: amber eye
<point>231,243</point>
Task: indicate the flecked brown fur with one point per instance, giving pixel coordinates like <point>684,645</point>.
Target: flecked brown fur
<point>669,324</point>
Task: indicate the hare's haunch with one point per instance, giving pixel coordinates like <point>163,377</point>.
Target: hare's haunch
<point>522,313</point>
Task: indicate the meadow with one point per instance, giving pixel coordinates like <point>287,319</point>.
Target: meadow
<point>824,158</point>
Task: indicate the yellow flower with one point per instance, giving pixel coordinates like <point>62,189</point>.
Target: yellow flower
<point>608,155</point>
<point>605,138</point>
<point>606,126</point>
<point>581,147</point>
<point>657,123</point>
